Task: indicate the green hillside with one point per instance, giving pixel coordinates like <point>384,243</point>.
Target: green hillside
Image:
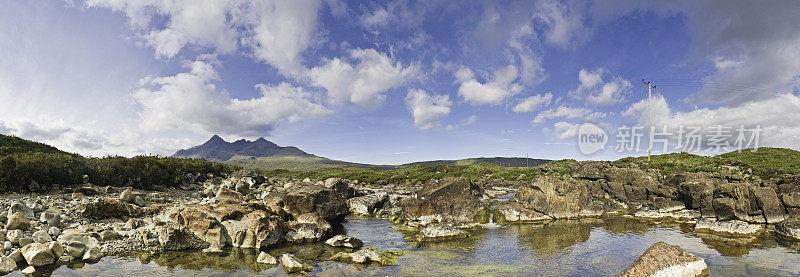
<point>10,145</point>
<point>312,163</point>
<point>765,163</point>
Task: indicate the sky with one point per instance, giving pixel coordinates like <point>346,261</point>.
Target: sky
<point>389,82</point>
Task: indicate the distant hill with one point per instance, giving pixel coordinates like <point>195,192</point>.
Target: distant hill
<point>10,145</point>
<point>217,149</point>
<point>265,155</point>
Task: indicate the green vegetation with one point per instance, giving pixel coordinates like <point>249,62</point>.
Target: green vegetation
<point>765,163</point>
<point>32,166</point>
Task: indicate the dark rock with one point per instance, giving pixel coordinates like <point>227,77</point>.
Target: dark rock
<point>302,199</point>
<point>557,198</point>
<point>663,259</point>
<point>770,205</point>
<point>226,195</point>
<point>365,205</point>
<point>789,228</point>
<point>344,241</point>
<point>106,207</point>
<point>454,198</point>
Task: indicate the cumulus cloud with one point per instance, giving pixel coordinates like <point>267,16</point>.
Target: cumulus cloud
<point>364,83</point>
<point>493,92</point>
<point>562,23</point>
<point>191,101</point>
<point>564,130</point>
<point>533,103</point>
<point>567,112</point>
<point>595,91</point>
<point>277,31</point>
<point>427,109</point>
<point>773,115</point>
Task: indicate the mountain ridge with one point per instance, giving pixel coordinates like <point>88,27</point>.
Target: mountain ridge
<point>217,149</point>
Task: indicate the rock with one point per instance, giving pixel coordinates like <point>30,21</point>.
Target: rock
<point>56,248</point>
<point>25,241</point>
<point>308,227</point>
<point>266,258</point>
<point>71,235</point>
<point>291,264</point>
<point>51,218</point>
<point>257,229</point>
<point>228,195</point>
<point>303,199</point>
<point>30,270</point>
<point>92,254</point>
<point>453,198</point>
<point>441,232</point>
<point>365,205</point>
<point>770,205</point>
<point>16,255</point>
<point>106,207</point>
<point>789,228</point>
<point>728,228</point>
<point>557,198</point>
<point>42,236</point>
<point>138,201</point>
<point>126,196</point>
<point>696,190</point>
<point>7,265</point>
<point>107,235</point>
<point>18,207</point>
<point>54,231</point>
<point>663,259</point>
<point>8,246</point>
<point>75,249</point>
<point>364,256</point>
<point>737,201</point>
<point>514,212</point>
<point>14,236</point>
<point>243,187</point>
<point>37,254</point>
<point>18,221</point>
<point>174,237</point>
<point>344,241</point>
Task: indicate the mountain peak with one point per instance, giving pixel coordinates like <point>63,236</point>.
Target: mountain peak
<point>217,149</point>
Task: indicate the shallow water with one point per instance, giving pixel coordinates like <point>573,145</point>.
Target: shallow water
<point>589,247</point>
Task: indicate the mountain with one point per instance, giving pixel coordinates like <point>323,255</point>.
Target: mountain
<point>217,149</point>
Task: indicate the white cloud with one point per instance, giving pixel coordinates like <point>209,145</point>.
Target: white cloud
<point>191,101</point>
<point>497,89</point>
<point>563,130</point>
<point>468,121</point>
<point>277,31</point>
<point>365,83</point>
<point>596,91</point>
<point>427,109</point>
<point>563,24</point>
<point>533,103</point>
<point>567,112</point>
<point>775,116</point>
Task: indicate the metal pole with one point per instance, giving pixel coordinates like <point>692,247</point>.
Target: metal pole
<point>649,125</point>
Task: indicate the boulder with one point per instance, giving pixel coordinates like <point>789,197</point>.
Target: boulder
<point>18,221</point>
<point>365,256</point>
<point>728,228</point>
<point>37,254</point>
<point>230,196</point>
<point>16,255</point>
<point>126,196</point>
<point>92,254</point>
<point>175,237</point>
<point>51,218</point>
<point>514,212</point>
<point>74,235</point>
<point>791,201</point>
<point>87,190</point>
<point>18,207</point>
<point>56,248</point>
<point>344,241</point>
<point>663,259</point>
<point>557,198</point>
<point>365,205</point>
<point>258,229</point>
<point>308,227</point>
<point>7,265</point>
<point>789,228</point>
<point>30,270</point>
<point>737,201</point>
<point>441,232</point>
<point>14,236</point>
<point>75,249</point>
<point>106,207</point>
<point>139,201</point>
<point>41,236</point>
<point>266,258</point>
<point>303,199</point>
<point>53,231</point>
<point>452,198</point>
<point>697,191</point>
<point>109,234</point>
<point>291,264</point>
<point>767,200</point>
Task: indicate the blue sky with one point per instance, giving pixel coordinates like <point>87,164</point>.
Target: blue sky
<point>392,81</point>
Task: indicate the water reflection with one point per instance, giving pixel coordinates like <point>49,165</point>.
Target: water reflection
<point>558,248</point>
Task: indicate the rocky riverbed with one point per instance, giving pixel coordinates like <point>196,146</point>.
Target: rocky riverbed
<point>82,224</point>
